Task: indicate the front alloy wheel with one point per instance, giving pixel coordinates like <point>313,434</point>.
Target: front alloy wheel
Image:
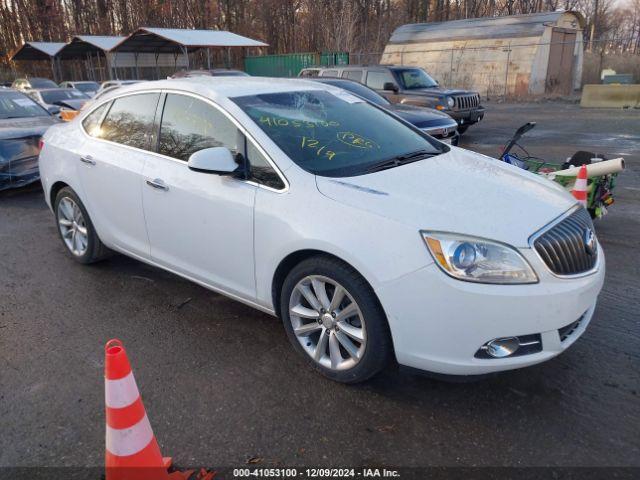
<point>327,322</point>
<point>333,318</point>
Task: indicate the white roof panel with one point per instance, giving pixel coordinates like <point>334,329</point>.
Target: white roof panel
<point>103,42</point>
<point>204,38</point>
<point>50,48</point>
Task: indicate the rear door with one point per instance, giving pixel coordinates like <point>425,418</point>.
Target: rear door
<point>110,168</point>
<point>199,224</point>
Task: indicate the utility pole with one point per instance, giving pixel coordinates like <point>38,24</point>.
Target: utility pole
<point>593,25</point>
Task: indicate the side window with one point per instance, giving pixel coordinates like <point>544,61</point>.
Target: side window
<point>261,170</point>
<point>377,80</point>
<point>190,125</point>
<point>330,73</point>
<point>353,75</point>
<point>130,120</point>
<point>91,122</point>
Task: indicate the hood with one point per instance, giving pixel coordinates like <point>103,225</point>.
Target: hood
<point>72,104</point>
<point>25,127</point>
<point>421,116</point>
<point>436,92</point>
<point>459,191</point>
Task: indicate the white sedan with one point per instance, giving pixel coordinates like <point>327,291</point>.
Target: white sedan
<point>370,240</point>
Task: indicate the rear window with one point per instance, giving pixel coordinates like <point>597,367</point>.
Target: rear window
<point>53,96</point>
<point>352,75</point>
<point>42,83</point>
<point>130,120</point>
<point>17,105</point>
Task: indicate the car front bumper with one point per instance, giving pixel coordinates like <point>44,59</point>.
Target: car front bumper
<point>439,324</point>
<point>467,117</point>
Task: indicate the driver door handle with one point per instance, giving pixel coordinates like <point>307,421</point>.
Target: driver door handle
<point>88,159</point>
<point>157,184</point>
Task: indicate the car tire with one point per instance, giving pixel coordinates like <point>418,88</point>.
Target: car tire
<point>76,230</point>
<point>462,129</point>
<point>348,342</point>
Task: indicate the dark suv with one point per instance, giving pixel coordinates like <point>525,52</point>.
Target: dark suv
<point>411,86</point>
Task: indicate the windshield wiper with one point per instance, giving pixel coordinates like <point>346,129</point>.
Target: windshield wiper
<point>400,160</point>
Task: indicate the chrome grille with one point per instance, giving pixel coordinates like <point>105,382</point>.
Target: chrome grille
<point>564,247</point>
<point>466,102</point>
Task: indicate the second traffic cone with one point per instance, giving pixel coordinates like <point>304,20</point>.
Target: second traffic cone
<point>132,452</point>
<point>580,187</point>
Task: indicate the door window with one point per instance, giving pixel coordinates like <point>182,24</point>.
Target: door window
<point>261,170</point>
<point>130,120</point>
<point>190,125</point>
<point>330,73</point>
<point>352,75</point>
<point>91,122</point>
<point>378,79</point>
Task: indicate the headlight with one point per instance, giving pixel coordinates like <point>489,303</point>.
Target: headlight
<point>450,102</point>
<point>478,260</point>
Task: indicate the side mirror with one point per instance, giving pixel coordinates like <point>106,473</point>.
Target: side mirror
<point>53,109</point>
<point>216,160</point>
<point>390,86</point>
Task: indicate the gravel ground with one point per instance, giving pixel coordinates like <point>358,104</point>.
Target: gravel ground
<point>221,384</point>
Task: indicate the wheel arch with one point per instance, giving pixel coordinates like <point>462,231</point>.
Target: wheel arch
<point>293,259</point>
<point>53,192</point>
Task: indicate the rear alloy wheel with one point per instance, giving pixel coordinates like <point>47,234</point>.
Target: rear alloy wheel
<point>76,230</point>
<point>333,318</point>
<point>73,227</point>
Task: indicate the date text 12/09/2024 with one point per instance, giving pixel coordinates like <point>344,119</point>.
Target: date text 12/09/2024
<point>286,473</point>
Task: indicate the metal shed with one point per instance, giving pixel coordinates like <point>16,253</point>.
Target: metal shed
<point>174,41</point>
<point>40,51</point>
<point>92,52</point>
<point>519,54</point>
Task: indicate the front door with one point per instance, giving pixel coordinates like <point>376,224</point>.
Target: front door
<point>199,224</point>
<point>110,167</point>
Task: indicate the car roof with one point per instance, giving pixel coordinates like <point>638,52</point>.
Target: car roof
<point>226,87</point>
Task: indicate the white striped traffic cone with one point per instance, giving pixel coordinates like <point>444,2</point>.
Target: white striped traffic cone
<point>580,187</point>
<point>132,452</point>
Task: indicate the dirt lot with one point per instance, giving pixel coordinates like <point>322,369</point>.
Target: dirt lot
<point>221,384</point>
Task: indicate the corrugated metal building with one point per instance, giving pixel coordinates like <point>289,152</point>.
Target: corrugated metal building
<point>520,54</point>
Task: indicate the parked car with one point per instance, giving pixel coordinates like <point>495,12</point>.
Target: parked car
<point>215,72</point>
<point>22,123</point>
<point>411,86</point>
<point>432,122</point>
<point>87,87</point>
<point>33,82</point>
<point>63,98</point>
<point>369,238</point>
<point>112,84</point>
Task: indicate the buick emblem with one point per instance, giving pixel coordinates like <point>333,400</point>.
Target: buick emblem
<point>589,239</point>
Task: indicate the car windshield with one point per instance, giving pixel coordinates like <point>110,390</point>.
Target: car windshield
<point>412,78</point>
<point>16,105</point>
<point>87,87</point>
<point>53,96</point>
<point>325,132</point>
<point>359,90</point>
<point>42,83</point>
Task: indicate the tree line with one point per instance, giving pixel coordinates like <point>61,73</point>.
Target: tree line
<point>297,25</point>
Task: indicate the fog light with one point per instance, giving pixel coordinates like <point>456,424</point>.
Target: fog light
<point>503,347</point>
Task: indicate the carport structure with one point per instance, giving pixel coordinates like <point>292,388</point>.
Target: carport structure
<point>175,41</point>
<point>88,48</point>
<point>40,51</point>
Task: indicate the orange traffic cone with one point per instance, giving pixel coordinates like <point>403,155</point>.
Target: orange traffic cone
<point>132,451</point>
<point>580,187</point>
